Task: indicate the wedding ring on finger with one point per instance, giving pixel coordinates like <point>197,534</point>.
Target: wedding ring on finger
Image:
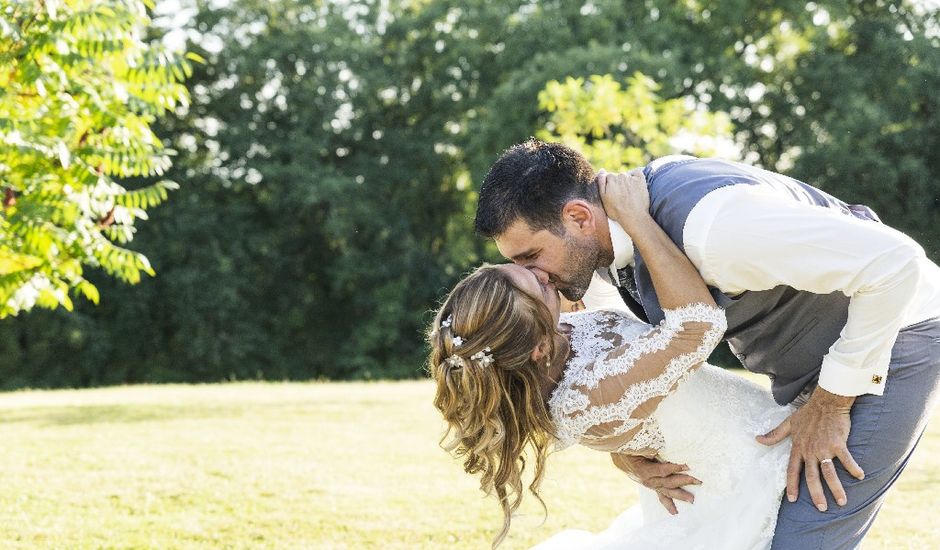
<point>825,461</point>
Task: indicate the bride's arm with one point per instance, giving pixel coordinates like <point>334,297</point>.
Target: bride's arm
<point>626,200</point>
<point>677,284</point>
<point>624,387</point>
<point>639,373</point>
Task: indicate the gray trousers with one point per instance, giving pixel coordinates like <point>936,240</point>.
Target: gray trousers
<point>885,430</point>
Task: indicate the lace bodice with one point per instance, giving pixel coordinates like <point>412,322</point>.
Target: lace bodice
<point>622,369</point>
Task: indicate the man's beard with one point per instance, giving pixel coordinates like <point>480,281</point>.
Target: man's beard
<point>581,259</point>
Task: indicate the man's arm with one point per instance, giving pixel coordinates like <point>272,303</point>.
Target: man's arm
<point>752,239</point>
<point>756,240</point>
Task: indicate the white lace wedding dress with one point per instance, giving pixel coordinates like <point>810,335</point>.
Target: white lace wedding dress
<point>638,389</point>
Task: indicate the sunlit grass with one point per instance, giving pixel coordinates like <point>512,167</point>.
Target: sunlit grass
<point>301,466</point>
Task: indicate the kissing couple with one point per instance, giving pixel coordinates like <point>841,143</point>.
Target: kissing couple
<point>839,310</point>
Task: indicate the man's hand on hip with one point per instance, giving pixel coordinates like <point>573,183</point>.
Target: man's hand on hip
<point>820,432</point>
<point>665,478</point>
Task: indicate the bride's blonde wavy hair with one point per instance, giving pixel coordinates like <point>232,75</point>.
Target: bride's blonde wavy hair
<point>494,412</point>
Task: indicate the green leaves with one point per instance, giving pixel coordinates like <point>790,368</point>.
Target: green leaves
<point>620,128</point>
<point>80,90</point>
<point>146,197</point>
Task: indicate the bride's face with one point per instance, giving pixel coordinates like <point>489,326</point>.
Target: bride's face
<point>528,282</point>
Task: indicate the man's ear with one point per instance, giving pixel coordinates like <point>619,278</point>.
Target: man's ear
<point>579,214</point>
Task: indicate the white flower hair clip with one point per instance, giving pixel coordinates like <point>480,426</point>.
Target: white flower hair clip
<point>485,357</point>
<point>454,360</point>
<point>446,323</point>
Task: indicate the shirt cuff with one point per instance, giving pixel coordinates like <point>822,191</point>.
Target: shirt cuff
<point>853,381</point>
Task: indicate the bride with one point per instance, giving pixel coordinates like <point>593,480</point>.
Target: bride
<point>513,374</point>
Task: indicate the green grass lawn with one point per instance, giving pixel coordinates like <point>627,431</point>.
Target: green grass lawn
<point>320,465</point>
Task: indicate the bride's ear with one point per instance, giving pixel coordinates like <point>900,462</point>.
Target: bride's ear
<point>540,353</point>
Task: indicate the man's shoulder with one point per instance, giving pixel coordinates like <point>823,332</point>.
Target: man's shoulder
<point>660,162</point>
<point>685,182</point>
<point>707,166</point>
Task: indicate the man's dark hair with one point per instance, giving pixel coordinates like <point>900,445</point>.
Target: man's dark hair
<point>532,181</point>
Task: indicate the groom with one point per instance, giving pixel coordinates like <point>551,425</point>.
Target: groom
<point>839,310</point>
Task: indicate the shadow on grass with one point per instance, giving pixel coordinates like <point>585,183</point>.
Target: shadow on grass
<point>112,414</point>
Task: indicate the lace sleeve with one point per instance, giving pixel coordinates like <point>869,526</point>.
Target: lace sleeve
<point>622,388</point>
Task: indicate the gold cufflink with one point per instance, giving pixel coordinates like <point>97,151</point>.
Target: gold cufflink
<point>876,379</point>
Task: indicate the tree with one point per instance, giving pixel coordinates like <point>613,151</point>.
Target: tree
<point>621,128</point>
<point>332,149</point>
<point>79,90</point>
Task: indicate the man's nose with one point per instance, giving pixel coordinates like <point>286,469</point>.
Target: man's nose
<point>540,275</point>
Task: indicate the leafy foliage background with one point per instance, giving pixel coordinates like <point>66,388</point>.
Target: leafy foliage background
<point>80,89</point>
<point>329,159</point>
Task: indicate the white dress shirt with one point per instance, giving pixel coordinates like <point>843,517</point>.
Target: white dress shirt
<point>603,295</point>
<point>744,237</point>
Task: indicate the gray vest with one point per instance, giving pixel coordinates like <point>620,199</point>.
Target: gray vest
<point>782,332</point>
